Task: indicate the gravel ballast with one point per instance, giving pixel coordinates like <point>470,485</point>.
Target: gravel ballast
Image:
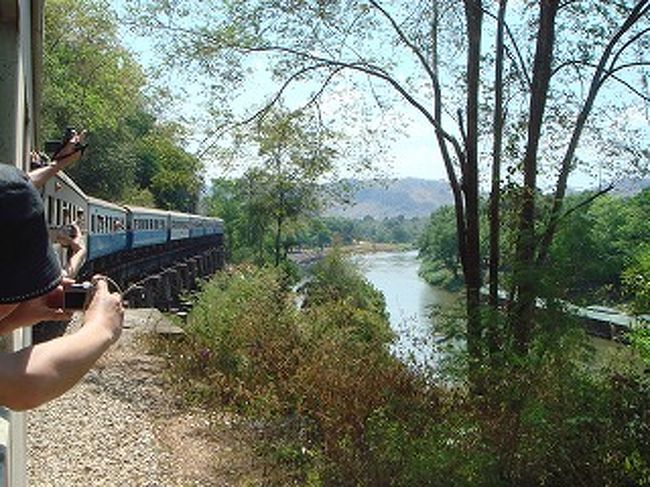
<point>120,426</point>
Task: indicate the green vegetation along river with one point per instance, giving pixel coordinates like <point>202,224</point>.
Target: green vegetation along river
<point>410,300</point>
<point>414,305</point>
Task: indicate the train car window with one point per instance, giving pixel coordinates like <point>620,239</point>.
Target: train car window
<point>50,210</point>
<point>93,225</point>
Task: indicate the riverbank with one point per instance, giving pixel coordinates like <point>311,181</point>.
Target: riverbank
<point>309,256</point>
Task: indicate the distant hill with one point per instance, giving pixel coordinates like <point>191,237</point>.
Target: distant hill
<point>629,186</point>
<point>410,197</point>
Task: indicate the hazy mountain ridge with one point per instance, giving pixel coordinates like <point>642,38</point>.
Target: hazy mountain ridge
<point>409,197</point>
<point>415,197</point>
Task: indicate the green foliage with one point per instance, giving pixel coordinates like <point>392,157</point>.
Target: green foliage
<point>338,294</point>
<point>636,280</point>
<point>91,81</point>
<point>599,253</point>
<point>267,207</point>
<point>168,171</point>
<point>438,246</point>
<point>321,232</point>
<point>345,412</point>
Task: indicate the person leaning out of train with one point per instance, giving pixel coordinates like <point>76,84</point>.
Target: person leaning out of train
<point>68,154</point>
<point>31,291</point>
<point>71,238</point>
<point>42,171</point>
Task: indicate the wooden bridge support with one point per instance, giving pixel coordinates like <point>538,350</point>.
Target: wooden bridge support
<point>163,293</point>
<point>136,297</point>
<point>184,276</point>
<point>192,272</point>
<point>163,290</point>
<point>175,286</point>
<point>150,285</point>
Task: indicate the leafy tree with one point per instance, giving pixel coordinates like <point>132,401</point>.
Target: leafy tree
<point>91,81</point>
<point>438,242</point>
<point>636,279</point>
<point>168,171</point>
<point>558,69</point>
<point>294,155</point>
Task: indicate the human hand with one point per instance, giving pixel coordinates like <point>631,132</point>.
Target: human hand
<point>43,308</point>
<point>72,151</point>
<point>105,310</point>
<point>64,238</point>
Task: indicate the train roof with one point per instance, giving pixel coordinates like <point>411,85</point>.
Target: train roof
<point>142,209</point>
<point>68,180</point>
<point>180,214</point>
<point>105,204</point>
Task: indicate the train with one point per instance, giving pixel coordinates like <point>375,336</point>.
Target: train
<point>114,231</point>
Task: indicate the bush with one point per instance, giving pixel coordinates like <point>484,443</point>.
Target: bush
<point>341,410</point>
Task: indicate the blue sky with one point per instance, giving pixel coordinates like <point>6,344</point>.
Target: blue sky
<point>412,153</point>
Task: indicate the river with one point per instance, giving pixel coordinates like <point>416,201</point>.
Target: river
<point>410,301</point>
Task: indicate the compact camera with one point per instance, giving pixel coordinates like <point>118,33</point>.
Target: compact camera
<point>76,296</point>
<point>68,230</point>
<point>54,147</point>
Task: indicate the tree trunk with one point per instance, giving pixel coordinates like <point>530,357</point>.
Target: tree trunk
<point>472,267</point>
<point>278,240</point>
<point>495,195</point>
<point>525,272</point>
<point>599,76</point>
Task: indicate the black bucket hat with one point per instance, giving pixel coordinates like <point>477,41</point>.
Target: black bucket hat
<point>28,265</point>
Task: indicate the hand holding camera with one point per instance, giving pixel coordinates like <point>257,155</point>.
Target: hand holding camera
<point>69,149</point>
<point>105,311</point>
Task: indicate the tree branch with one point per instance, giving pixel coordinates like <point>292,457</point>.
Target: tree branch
<point>522,65</point>
<point>405,40</point>
<point>586,202</point>
<point>609,74</point>
<point>565,167</point>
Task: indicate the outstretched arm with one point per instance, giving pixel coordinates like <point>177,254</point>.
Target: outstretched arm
<point>37,374</point>
<point>42,308</point>
<point>72,150</point>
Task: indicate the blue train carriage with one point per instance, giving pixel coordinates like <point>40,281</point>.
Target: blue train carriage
<point>196,226</point>
<point>213,226</point>
<point>147,226</point>
<point>107,229</point>
<point>64,203</point>
<point>180,224</point>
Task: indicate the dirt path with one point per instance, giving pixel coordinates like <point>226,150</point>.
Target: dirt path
<point>122,426</point>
